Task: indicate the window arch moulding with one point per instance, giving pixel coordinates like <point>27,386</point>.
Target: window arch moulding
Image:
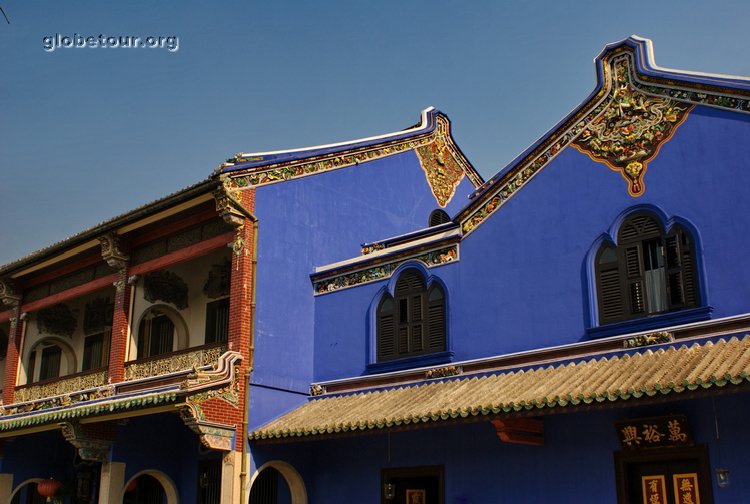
<point>431,353</point>
<point>655,316</point>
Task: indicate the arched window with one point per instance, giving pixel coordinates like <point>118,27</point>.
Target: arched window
<point>648,272</point>
<point>438,217</point>
<point>155,334</point>
<point>412,322</point>
<point>49,359</point>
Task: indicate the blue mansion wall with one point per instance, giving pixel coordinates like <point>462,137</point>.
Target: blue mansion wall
<point>575,464</point>
<point>523,279</point>
<point>318,220</point>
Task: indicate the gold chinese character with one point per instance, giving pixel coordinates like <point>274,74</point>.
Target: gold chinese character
<point>675,432</point>
<point>653,485</point>
<point>654,499</point>
<point>630,435</point>
<point>651,433</point>
<point>687,498</point>
<point>685,485</point>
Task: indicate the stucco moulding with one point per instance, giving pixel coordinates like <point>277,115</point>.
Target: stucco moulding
<point>217,380</point>
<point>443,163</point>
<point>631,87</point>
<point>431,259</point>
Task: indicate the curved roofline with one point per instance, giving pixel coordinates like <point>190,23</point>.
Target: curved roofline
<point>249,160</point>
<point>423,125</point>
<point>646,65</point>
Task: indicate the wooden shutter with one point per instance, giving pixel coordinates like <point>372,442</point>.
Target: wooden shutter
<point>413,321</point>
<point>680,263</point>
<point>416,324</point>
<point>633,262</point>
<point>609,287</point>
<point>386,333</point>
<point>438,217</point>
<point>436,320</point>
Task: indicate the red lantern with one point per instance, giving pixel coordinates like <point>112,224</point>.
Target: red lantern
<point>48,488</point>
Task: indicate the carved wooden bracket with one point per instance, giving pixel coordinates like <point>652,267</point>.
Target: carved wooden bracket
<point>92,441</point>
<point>214,436</point>
<point>228,205</point>
<point>8,295</point>
<point>528,431</point>
<point>111,251</point>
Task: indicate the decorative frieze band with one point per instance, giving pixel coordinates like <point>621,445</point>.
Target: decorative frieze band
<point>431,259</point>
<point>62,387</point>
<point>172,363</point>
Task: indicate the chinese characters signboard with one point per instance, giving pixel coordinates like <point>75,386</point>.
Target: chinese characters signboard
<point>654,489</point>
<point>686,488</point>
<point>658,432</point>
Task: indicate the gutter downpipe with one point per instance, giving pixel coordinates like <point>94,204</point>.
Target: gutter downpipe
<point>249,367</point>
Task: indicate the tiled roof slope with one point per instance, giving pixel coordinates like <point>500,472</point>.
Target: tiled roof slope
<point>670,370</point>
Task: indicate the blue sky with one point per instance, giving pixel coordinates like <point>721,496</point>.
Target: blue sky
<point>86,134</point>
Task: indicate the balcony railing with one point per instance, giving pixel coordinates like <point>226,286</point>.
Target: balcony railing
<point>175,361</point>
<point>59,386</point>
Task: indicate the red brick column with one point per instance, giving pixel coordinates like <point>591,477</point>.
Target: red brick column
<point>15,337</point>
<point>119,339</point>
<point>241,307</point>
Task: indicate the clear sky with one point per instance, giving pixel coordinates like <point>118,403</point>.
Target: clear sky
<point>89,133</point>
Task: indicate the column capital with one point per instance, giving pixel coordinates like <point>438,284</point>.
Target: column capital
<point>9,296</point>
<point>112,251</point>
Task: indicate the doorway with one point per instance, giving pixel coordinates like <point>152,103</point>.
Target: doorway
<point>664,476</point>
<point>412,485</point>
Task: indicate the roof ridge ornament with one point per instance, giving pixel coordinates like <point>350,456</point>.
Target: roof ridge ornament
<point>631,129</point>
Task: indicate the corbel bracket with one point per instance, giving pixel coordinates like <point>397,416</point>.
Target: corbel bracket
<point>529,431</point>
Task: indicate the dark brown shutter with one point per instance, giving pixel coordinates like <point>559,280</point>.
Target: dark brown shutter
<point>416,343</point>
<point>386,330</point>
<point>609,286</point>
<point>413,321</point>
<point>436,320</point>
<point>634,278</point>
<point>438,217</point>
<point>680,269</point>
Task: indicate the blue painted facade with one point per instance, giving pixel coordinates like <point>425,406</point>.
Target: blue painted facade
<point>525,281</point>
<point>335,229</point>
<point>319,220</point>
<point>574,465</point>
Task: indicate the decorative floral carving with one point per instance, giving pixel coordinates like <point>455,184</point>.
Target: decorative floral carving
<point>317,390</point>
<point>63,391</point>
<point>166,286</point>
<point>92,444</point>
<point>111,251</point>
<point>631,130</point>
<point>441,165</point>
<point>228,205</point>
<point>300,168</point>
<point>57,319</point>
<point>431,259</point>
<point>173,363</point>
<point>443,372</point>
<point>372,247</point>
<point>8,295</point>
<point>648,339</point>
<point>583,118</point>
